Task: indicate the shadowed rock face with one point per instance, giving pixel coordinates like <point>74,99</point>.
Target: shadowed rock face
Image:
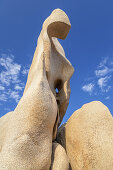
<point>26,134</point>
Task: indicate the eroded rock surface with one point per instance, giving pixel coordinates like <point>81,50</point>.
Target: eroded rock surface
<point>59,158</point>
<point>26,134</point>
<point>88,138</point>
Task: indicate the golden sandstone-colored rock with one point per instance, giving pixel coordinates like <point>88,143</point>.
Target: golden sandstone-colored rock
<point>59,158</point>
<point>88,136</point>
<point>26,134</point>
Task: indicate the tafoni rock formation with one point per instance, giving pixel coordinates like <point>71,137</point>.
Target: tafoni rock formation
<point>29,135</point>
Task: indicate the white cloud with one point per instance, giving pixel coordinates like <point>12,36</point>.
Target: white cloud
<point>11,70</point>
<point>11,84</point>
<point>3,97</point>
<point>101,79</point>
<point>88,88</point>
<point>2,88</point>
<point>107,98</point>
<point>25,71</point>
<point>15,95</point>
<point>103,83</point>
<point>19,87</point>
<point>105,67</point>
<point>103,62</point>
<point>102,72</point>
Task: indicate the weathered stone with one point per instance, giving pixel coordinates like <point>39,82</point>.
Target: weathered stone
<point>26,134</point>
<point>89,138</point>
<point>61,136</point>
<point>59,158</point>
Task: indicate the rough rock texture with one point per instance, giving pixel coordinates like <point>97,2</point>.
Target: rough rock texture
<point>59,158</point>
<point>61,136</point>
<point>88,136</point>
<point>26,134</point>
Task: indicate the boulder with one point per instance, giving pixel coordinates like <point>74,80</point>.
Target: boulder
<point>59,158</point>
<point>89,138</point>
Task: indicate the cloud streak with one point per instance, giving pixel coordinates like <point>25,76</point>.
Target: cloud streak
<point>11,84</point>
<point>102,72</point>
<point>101,80</point>
<point>10,71</point>
<point>88,88</point>
<point>103,83</point>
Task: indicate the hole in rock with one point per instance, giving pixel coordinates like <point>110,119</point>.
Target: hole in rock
<point>58,85</point>
<point>57,90</point>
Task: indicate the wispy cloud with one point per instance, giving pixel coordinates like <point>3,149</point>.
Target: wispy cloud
<point>2,88</point>
<point>105,67</point>
<point>3,97</point>
<point>107,98</point>
<point>11,84</point>
<point>101,78</point>
<point>103,62</point>
<point>25,70</point>
<point>103,83</point>
<point>10,71</point>
<point>19,87</point>
<point>102,72</point>
<point>88,88</point>
<point>15,95</point>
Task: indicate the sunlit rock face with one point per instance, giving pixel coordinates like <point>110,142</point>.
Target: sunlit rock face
<point>26,134</point>
<point>88,138</point>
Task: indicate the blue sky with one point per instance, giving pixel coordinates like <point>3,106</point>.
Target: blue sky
<point>88,46</point>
